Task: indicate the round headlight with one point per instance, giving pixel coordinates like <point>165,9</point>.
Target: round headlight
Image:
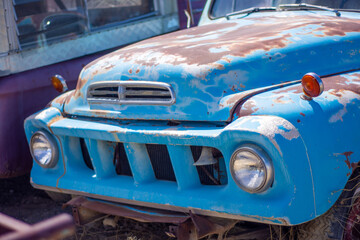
<point>43,149</point>
<point>251,169</point>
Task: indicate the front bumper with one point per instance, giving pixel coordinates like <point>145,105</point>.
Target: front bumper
<point>291,190</point>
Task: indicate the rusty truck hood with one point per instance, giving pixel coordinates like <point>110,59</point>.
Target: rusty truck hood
<point>210,68</point>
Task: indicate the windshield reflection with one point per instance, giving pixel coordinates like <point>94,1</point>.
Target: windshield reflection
<point>221,8</point>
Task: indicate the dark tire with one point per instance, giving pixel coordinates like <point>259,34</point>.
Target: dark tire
<point>332,224</point>
<point>58,197</point>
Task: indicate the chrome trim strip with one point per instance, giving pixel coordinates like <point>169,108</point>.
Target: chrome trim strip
<point>152,89</point>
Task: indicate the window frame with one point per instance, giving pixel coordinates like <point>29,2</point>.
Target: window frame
<point>15,41</point>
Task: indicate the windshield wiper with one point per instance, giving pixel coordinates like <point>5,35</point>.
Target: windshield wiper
<point>250,10</point>
<point>305,6</point>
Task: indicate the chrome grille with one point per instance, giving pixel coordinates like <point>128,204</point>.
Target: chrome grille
<point>131,92</point>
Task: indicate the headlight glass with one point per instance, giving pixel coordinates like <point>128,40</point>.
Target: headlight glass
<point>43,149</point>
<point>251,169</point>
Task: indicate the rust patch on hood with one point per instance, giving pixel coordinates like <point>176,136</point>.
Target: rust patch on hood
<point>64,98</point>
<point>210,43</point>
<point>340,83</point>
<point>60,100</point>
<point>55,119</point>
<point>212,48</point>
<point>68,98</point>
<point>335,85</point>
<point>81,82</point>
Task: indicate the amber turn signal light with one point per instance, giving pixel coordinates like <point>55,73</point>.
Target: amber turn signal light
<point>312,85</point>
<point>59,83</point>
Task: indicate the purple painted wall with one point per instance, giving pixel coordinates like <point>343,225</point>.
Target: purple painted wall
<point>21,95</point>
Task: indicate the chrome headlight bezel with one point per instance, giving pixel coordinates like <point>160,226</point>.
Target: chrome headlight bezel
<point>53,146</point>
<point>265,161</point>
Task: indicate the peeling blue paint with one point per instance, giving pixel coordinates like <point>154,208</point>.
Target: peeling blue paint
<point>241,90</point>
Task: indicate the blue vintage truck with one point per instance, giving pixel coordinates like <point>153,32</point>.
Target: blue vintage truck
<point>252,116</point>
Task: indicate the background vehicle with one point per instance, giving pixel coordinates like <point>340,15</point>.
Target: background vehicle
<point>252,116</point>
<point>42,38</point>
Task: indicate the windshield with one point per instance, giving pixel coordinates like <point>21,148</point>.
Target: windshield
<point>221,8</point>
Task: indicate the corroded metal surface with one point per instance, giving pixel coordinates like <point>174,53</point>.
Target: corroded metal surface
<point>235,39</point>
<point>142,215</point>
<point>338,87</point>
<point>190,226</point>
<point>211,63</point>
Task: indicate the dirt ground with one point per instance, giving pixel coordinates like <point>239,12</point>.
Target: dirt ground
<point>20,200</point>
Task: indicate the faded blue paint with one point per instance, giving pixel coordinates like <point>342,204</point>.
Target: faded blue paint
<point>308,141</point>
<point>292,188</point>
<point>202,77</point>
<point>328,126</point>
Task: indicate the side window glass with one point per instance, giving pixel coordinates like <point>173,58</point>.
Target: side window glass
<point>46,21</point>
<point>43,22</point>
<point>110,12</point>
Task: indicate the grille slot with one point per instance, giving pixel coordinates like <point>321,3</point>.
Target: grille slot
<point>160,161</point>
<point>121,161</point>
<point>104,93</point>
<point>214,174</point>
<point>85,154</point>
<point>131,92</point>
<point>147,93</point>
